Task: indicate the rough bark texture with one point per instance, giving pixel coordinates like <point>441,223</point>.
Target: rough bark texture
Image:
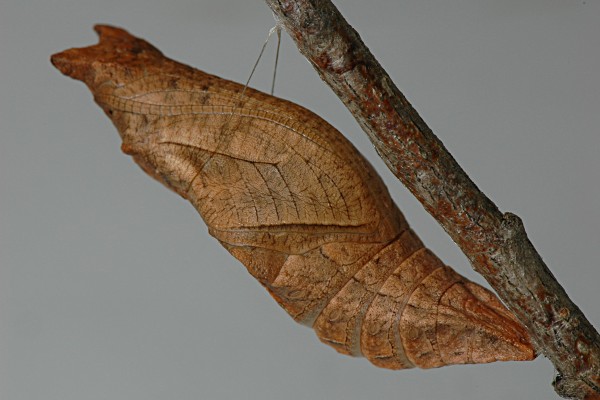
<point>293,200</point>
<point>495,243</point>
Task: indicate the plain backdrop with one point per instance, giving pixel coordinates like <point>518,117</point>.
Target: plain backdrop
<point>111,288</point>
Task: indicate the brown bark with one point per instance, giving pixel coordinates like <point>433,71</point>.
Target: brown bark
<point>293,200</point>
<point>495,242</point>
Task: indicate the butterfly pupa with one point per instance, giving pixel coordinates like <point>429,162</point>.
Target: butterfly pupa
<point>286,194</point>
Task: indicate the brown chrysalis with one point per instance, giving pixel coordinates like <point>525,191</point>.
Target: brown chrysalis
<point>298,205</point>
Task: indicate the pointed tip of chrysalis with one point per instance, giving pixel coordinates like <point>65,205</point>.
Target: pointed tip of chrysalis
<point>473,327</point>
<point>450,320</point>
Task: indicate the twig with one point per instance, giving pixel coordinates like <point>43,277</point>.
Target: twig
<point>495,243</point>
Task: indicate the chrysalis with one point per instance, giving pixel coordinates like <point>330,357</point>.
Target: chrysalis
<point>296,203</point>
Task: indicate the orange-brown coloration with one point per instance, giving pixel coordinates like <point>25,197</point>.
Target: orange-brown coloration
<point>297,204</point>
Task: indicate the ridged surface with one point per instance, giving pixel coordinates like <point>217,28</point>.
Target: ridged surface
<point>297,204</point>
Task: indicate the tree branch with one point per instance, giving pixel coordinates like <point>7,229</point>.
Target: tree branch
<point>495,243</point>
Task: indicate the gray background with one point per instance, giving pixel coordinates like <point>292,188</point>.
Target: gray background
<point>110,287</point>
